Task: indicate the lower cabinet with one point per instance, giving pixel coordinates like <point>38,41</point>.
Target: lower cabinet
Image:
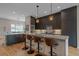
<point>15,38</point>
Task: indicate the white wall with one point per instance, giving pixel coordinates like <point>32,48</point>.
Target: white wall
<point>5,25</point>
<point>77,26</point>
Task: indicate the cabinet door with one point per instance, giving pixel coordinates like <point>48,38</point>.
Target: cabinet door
<point>10,39</point>
<point>57,21</point>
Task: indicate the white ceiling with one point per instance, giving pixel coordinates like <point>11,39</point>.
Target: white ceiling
<point>18,11</point>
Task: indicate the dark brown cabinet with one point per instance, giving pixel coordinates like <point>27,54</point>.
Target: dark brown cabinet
<point>69,24</point>
<point>45,22</point>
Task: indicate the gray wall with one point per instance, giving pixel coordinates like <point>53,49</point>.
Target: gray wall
<point>5,25</point>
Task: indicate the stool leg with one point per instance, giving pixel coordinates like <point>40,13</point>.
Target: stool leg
<point>25,47</point>
<point>38,54</point>
<point>30,51</point>
<point>51,50</point>
<point>30,45</point>
<point>38,50</point>
<point>38,47</point>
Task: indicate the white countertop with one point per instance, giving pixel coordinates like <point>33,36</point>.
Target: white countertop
<point>61,37</point>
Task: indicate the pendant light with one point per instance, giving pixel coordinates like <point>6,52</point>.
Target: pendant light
<point>51,17</point>
<point>37,20</point>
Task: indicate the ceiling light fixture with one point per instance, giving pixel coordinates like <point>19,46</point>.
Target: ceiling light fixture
<point>37,20</point>
<point>51,17</point>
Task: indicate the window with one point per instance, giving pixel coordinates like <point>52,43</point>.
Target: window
<point>17,28</point>
<point>13,28</point>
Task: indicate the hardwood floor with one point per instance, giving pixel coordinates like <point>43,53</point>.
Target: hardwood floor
<point>16,50</point>
<point>73,51</point>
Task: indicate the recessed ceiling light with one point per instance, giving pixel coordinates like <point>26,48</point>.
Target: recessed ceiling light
<point>45,11</point>
<point>58,7</point>
<point>14,12</point>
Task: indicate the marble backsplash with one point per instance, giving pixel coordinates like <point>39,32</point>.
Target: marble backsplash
<point>55,31</point>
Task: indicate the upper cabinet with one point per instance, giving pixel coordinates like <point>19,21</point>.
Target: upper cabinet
<point>45,22</point>
<point>56,23</point>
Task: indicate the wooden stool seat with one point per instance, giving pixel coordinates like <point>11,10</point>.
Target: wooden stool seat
<point>52,43</point>
<point>29,37</point>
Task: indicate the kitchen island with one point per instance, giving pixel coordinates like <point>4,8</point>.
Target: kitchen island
<point>62,40</point>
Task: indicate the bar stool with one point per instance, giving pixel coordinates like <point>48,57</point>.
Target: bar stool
<point>25,46</point>
<point>52,43</point>
<point>38,41</point>
<point>31,51</point>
